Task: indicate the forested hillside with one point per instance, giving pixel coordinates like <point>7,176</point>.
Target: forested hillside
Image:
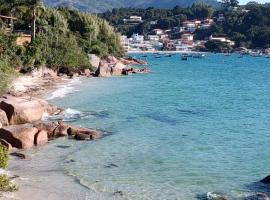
<point>248,26</point>
<point>104,5</point>
<point>60,37</point>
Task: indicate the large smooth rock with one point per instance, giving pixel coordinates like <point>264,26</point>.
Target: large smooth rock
<point>22,110</point>
<point>112,59</point>
<point>19,136</point>
<point>6,144</point>
<point>118,69</point>
<point>84,133</point>
<point>3,118</point>
<point>49,127</point>
<point>104,70</point>
<point>61,130</point>
<point>87,72</point>
<point>94,60</point>
<point>41,138</point>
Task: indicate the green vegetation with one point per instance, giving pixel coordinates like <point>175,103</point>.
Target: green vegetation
<point>217,46</point>
<point>166,18</point>
<point>60,37</point>
<point>248,26</point>
<point>5,184</point>
<point>3,157</point>
<point>98,6</point>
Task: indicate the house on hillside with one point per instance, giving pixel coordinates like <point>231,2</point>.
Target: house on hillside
<point>187,38</point>
<point>133,20</point>
<point>222,39</point>
<point>8,20</point>
<point>125,42</point>
<point>137,39</point>
<point>158,31</point>
<point>192,25</point>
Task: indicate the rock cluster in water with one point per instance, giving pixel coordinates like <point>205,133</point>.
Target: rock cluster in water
<point>106,67</point>
<point>21,124</point>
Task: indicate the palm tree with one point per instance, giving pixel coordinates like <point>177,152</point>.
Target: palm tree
<point>35,7</point>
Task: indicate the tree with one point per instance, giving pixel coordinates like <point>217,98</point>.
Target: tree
<point>230,3</point>
<point>201,11</point>
<point>36,7</point>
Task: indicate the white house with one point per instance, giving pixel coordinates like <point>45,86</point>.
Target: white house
<point>137,39</point>
<point>125,42</point>
<point>187,38</point>
<point>133,20</point>
<point>153,37</point>
<point>158,31</point>
<point>222,39</point>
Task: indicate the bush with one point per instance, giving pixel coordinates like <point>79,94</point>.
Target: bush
<point>3,157</point>
<point>217,46</point>
<point>5,184</point>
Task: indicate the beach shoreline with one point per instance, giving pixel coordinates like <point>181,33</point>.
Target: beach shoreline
<point>47,85</point>
<point>31,179</point>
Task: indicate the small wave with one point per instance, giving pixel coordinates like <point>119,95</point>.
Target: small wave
<point>63,90</point>
<point>70,115</point>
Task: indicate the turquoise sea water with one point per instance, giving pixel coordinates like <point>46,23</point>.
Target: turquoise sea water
<point>188,128</point>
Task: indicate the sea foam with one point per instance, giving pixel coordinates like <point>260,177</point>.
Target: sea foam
<point>64,89</point>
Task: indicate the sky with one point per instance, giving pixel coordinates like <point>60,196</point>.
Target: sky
<point>260,1</point>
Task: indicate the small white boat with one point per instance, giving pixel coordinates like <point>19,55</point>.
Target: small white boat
<point>198,55</point>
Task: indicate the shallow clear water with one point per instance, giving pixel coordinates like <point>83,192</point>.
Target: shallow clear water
<point>186,129</point>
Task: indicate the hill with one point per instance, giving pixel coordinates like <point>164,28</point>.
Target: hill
<point>104,5</point>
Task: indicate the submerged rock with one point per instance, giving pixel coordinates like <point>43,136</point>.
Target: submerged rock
<point>120,193</point>
<point>19,155</point>
<point>22,110</point>
<point>258,196</point>
<point>84,133</point>
<point>111,165</point>
<point>266,180</point>
<point>19,136</point>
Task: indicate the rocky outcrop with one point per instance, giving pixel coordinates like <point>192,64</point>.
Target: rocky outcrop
<point>94,60</point>
<point>53,129</point>
<point>19,136</point>
<point>21,110</point>
<point>41,138</point>
<point>3,118</point>
<point>104,70</point>
<point>84,133</point>
<point>61,130</point>
<point>132,61</point>
<point>49,127</point>
<point>112,66</point>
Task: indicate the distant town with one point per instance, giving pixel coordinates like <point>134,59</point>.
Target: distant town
<point>199,28</point>
<point>160,40</point>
